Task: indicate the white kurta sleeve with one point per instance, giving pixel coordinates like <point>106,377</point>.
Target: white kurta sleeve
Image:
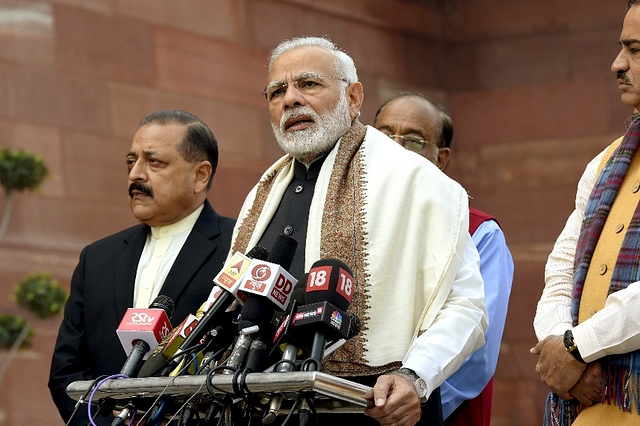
<point>458,329</point>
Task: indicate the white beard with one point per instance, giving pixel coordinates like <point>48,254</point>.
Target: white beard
<point>319,138</point>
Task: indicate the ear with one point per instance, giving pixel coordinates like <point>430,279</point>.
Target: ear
<point>202,173</point>
<point>443,158</point>
<point>355,96</point>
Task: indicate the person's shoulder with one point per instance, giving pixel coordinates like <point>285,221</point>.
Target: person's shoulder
<point>479,218</point>
<point>477,213</point>
<point>124,235</point>
<point>210,214</point>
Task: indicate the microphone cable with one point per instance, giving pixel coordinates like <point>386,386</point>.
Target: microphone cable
<point>82,398</point>
<point>192,349</point>
<point>95,389</point>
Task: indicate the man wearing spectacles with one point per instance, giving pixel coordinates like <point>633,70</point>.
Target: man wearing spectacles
<point>418,290</point>
<point>424,126</point>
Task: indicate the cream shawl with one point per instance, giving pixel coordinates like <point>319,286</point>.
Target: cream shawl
<point>395,219</point>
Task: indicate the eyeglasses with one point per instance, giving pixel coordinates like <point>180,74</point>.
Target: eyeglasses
<point>412,143</point>
<point>307,83</point>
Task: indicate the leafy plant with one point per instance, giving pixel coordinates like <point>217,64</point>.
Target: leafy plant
<point>40,294</point>
<point>11,328</point>
<point>43,297</point>
<point>19,171</point>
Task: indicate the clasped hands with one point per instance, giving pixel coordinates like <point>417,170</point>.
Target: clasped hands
<point>566,376</point>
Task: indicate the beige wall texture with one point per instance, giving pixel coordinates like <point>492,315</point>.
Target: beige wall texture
<point>528,84</point>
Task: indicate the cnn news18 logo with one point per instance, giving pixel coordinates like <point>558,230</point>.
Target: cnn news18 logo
<point>319,279</point>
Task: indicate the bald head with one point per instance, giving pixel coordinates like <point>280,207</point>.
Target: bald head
<point>413,117</point>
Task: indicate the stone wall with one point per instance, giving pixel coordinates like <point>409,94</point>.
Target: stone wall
<point>527,83</point>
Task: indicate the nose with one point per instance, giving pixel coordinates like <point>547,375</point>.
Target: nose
<point>620,63</point>
<point>136,171</point>
<point>293,96</point>
<point>397,139</point>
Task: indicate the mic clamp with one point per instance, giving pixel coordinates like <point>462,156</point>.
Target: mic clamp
<point>240,349</point>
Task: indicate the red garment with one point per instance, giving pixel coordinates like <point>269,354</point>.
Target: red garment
<point>476,217</point>
<point>473,412</point>
<point>477,411</point>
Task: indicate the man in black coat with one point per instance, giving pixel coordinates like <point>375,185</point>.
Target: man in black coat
<point>176,251</point>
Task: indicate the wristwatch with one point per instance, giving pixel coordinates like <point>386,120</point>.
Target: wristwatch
<point>418,383</point>
<point>571,347</point>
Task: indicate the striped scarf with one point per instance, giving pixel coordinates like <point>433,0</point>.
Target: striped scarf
<point>621,373</point>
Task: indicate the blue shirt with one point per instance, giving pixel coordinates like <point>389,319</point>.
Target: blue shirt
<point>496,267</point>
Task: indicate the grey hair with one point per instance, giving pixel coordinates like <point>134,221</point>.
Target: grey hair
<point>344,65</point>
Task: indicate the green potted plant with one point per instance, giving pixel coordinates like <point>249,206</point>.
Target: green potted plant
<point>23,171</point>
<point>43,297</point>
<point>19,171</point>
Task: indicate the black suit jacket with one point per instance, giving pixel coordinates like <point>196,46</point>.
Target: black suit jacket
<point>102,289</point>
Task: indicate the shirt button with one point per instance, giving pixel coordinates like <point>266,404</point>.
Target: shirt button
<point>619,228</point>
<point>603,269</point>
<point>636,187</point>
<point>288,230</point>
<point>298,189</point>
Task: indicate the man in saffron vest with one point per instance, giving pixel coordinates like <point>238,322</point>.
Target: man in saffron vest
<point>423,126</point>
<point>587,318</point>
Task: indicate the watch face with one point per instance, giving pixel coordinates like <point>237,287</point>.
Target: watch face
<point>421,387</point>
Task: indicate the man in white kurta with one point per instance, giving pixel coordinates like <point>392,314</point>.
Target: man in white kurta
<point>588,324</point>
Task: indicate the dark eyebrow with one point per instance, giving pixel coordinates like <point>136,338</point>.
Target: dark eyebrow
<point>147,152</point>
<point>628,41</point>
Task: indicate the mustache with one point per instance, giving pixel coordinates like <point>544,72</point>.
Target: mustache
<point>301,110</point>
<point>622,75</point>
<point>137,186</point>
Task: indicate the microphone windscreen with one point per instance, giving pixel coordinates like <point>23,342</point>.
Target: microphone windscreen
<point>163,302</point>
<point>299,290</point>
<point>257,310</point>
<point>258,252</point>
<point>283,251</point>
<point>330,280</point>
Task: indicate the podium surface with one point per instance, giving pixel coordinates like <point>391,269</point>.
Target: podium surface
<point>329,393</point>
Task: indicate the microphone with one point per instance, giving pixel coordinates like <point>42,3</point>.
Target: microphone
<point>168,347</point>
<point>266,283</point>
<point>142,330</point>
<point>240,348</point>
<point>269,278</point>
<point>285,341</point>
<point>228,279</point>
<point>124,415</point>
<point>328,294</point>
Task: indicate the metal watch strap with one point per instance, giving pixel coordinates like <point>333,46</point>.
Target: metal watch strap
<point>418,382</point>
